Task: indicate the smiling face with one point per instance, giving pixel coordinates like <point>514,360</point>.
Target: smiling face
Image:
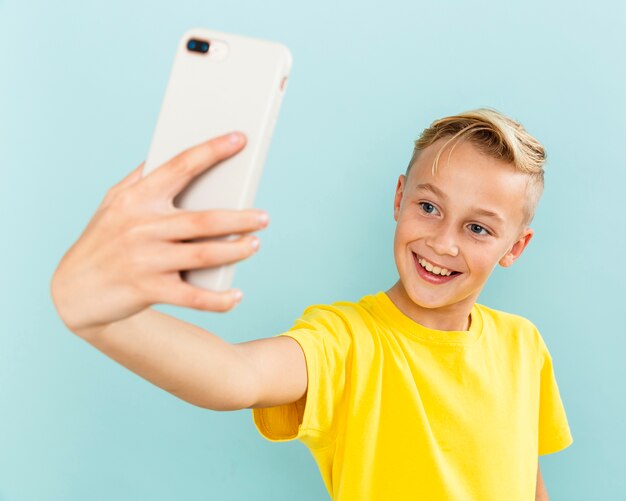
<point>466,218</point>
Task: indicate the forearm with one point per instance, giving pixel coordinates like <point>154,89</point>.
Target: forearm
<point>179,357</point>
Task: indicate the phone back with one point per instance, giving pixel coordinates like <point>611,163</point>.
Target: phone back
<point>237,85</point>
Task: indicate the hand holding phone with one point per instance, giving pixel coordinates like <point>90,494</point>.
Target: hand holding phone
<point>130,254</point>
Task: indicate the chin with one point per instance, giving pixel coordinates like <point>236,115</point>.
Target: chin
<point>421,296</point>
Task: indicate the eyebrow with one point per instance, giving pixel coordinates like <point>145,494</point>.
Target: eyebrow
<point>432,188</point>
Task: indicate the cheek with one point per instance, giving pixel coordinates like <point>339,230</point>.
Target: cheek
<point>408,229</point>
<point>398,240</point>
<point>404,234</point>
<point>484,260</point>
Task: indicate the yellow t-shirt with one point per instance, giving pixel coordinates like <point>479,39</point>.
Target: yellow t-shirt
<point>398,411</point>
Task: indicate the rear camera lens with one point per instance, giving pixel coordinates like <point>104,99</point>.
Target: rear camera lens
<point>195,45</point>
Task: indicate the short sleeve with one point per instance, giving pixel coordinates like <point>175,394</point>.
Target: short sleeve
<point>324,336</point>
<point>554,431</point>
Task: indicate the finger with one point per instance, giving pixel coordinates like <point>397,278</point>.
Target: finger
<point>188,296</point>
<point>207,254</point>
<point>187,225</point>
<point>171,177</point>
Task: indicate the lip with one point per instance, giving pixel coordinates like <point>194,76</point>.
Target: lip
<point>433,263</point>
<point>429,277</point>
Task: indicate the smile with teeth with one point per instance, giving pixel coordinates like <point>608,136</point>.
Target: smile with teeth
<point>435,269</point>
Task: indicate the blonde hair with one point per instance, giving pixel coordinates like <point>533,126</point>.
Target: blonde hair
<point>499,137</point>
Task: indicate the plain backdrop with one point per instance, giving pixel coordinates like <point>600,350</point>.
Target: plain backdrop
<point>80,89</point>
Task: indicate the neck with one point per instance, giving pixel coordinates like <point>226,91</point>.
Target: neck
<point>452,317</point>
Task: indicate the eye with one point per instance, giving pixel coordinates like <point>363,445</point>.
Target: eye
<point>474,226</point>
<point>429,207</point>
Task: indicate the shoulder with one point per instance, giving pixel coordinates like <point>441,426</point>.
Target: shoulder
<point>339,326</point>
<point>345,315</point>
<point>516,327</point>
<point>505,318</point>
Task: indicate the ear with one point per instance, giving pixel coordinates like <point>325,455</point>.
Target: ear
<point>398,197</point>
<point>518,247</point>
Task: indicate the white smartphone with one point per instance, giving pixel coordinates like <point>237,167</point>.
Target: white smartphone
<point>220,82</point>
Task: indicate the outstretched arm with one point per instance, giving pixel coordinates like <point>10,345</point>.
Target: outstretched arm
<point>200,367</point>
<point>129,257</point>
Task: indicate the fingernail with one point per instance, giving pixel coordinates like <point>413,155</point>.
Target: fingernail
<point>237,295</point>
<point>264,218</point>
<point>255,242</point>
<point>234,137</point>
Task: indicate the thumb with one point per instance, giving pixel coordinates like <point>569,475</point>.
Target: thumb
<point>129,180</point>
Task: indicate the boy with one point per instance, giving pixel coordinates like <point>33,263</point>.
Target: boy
<point>413,393</point>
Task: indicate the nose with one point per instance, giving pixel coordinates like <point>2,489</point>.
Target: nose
<point>443,241</point>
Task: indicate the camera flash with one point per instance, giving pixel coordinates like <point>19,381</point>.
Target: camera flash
<point>218,50</point>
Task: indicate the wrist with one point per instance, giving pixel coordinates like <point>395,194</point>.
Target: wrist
<point>68,310</point>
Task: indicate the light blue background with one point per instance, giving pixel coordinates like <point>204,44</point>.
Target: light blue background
<point>80,88</point>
